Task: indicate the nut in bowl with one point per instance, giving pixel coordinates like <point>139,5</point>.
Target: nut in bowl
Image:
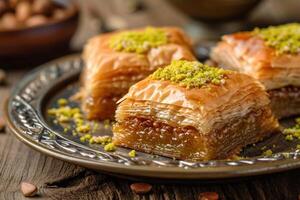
<point>29,27</point>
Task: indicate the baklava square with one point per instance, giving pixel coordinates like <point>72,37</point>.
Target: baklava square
<point>191,111</point>
<point>115,61</point>
<point>272,56</point>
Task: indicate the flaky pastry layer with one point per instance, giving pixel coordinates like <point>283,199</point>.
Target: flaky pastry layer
<point>247,53</point>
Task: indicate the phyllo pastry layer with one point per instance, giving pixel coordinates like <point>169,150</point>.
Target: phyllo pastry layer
<point>191,111</point>
<point>115,61</point>
<point>271,55</point>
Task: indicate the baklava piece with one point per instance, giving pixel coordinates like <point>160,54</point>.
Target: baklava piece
<point>271,55</point>
<point>115,61</point>
<point>192,111</point>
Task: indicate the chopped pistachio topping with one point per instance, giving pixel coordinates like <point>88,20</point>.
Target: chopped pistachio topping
<point>103,140</point>
<point>132,154</point>
<point>62,102</point>
<point>74,133</point>
<point>289,137</point>
<point>284,38</point>
<point>190,74</point>
<point>110,147</point>
<point>138,41</point>
<point>65,111</point>
<point>66,129</point>
<point>63,114</point>
<point>107,124</point>
<point>293,132</point>
<point>268,152</point>
<point>83,128</point>
<point>85,138</point>
<point>95,127</point>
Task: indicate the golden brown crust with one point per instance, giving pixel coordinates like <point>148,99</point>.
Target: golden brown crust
<point>109,73</point>
<point>226,117</point>
<point>248,53</point>
<point>239,94</point>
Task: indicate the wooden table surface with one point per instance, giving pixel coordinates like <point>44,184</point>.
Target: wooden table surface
<point>56,179</point>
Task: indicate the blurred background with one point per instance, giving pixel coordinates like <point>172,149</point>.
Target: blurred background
<point>35,31</point>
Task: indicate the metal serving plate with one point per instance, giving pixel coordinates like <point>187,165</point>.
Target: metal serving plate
<point>40,89</point>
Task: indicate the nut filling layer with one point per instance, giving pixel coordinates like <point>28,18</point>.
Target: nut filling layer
<point>146,134</point>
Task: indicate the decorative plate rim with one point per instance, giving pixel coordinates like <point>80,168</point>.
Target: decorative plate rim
<point>16,120</point>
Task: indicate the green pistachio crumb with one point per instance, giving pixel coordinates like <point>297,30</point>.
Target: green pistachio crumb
<point>132,154</point>
<point>85,137</point>
<point>293,132</point>
<point>190,74</point>
<point>52,112</point>
<point>138,41</point>
<point>88,136</point>
<point>110,147</point>
<point>289,137</point>
<point>82,139</point>
<point>106,124</point>
<point>297,120</point>
<point>92,141</point>
<point>83,128</point>
<point>268,152</point>
<point>63,119</point>
<point>74,133</point>
<point>78,116</point>
<point>79,122</point>
<point>284,38</point>
<point>95,127</point>
<point>62,102</point>
<point>65,111</point>
<point>103,140</point>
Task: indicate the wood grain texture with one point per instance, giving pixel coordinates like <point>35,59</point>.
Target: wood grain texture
<point>61,180</point>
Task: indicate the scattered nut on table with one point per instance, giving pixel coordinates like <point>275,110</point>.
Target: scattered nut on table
<point>28,189</point>
<point>141,188</point>
<point>208,196</point>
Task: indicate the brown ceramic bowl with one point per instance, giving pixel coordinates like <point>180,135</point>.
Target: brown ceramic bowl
<point>215,10</point>
<point>36,40</point>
